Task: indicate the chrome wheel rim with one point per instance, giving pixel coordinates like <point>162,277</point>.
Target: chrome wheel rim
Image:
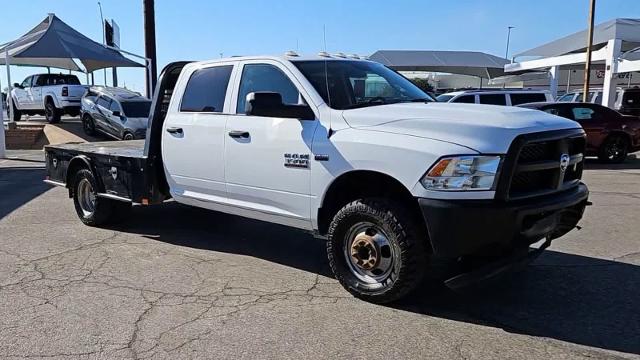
<point>369,253</point>
<point>128,136</point>
<point>86,197</point>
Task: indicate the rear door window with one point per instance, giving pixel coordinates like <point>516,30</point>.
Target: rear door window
<point>582,113</point>
<point>206,90</point>
<point>467,99</point>
<point>493,99</point>
<point>104,102</point>
<point>524,98</point>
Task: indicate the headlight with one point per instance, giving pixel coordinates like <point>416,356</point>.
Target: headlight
<point>460,173</point>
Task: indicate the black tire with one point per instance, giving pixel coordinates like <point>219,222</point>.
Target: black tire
<point>17,114</point>
<point>51,113</point>
<point>406,249</point>
<point>102,209</point>
<point>128,136</point>
<point>614,149</point>
<point>88,125</point>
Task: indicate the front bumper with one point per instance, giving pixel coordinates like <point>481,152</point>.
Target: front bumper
<point>489,228</point>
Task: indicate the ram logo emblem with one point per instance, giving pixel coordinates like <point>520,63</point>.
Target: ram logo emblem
<point>565,159</point>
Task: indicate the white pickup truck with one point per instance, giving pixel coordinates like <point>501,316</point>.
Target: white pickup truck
<point>353,152</point>
<point>51,95</point>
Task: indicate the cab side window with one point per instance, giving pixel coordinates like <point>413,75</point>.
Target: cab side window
<point>104,102</point>
<point>264,77</point>
<point>27,82</point>
<point>114,106</point>
<point>493,99</point>
<point>206,90</point>
<point>467,99</point>
<point>41,80</point>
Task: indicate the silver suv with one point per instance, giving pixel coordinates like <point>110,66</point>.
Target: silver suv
<point>117,112</point>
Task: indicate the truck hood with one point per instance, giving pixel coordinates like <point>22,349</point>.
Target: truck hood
<point>483,128</point>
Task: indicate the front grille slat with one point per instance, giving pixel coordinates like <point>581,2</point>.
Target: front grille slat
<point>537,166</point>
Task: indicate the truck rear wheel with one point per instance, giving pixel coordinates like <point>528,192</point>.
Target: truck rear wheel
<point>375,251</point>
<point>91,209</point>
<point>51,113</point>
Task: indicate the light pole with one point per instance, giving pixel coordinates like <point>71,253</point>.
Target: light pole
<point>104,38</point>
<point>506,53</point>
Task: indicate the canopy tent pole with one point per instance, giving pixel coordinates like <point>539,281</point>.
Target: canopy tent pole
<point>149,66</point>
<point>554,71</point>
<point>611,68</point>
<point>3,149</point>
<point>9,85</point>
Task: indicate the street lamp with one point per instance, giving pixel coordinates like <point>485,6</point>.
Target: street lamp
<point>104,39</point>
<point>506,53</point>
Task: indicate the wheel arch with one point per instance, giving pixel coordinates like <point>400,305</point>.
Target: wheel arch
<point>50,97</point>
<point>75,164</point>
<point>356,184</point>
<point>621,133</point>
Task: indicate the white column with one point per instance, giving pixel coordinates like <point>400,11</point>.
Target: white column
<point>9,85</point>
<point>609,87</point>
<point>554,72</point>
<point>2,142</point>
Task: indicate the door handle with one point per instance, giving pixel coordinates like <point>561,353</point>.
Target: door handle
<point>174,130</point>
<point>236,134</point>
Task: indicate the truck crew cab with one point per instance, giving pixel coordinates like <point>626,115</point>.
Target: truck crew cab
<point>51,95</point>
<point>352,151</point>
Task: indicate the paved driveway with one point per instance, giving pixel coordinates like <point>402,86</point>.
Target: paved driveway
<point>178,282</point>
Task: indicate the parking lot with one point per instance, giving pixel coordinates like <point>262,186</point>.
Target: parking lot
<point>177,282</point>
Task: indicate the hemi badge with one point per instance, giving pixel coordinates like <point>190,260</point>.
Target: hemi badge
<point>321,157</point>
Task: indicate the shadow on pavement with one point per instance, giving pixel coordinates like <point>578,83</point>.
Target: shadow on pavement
<point>201,229</point>
<point>572,298</point>
<point>631,163</point>
<point>18,186</point>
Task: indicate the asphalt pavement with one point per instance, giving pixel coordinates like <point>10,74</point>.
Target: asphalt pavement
<point>177,282</point>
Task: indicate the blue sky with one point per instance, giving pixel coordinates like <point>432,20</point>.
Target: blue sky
<point>197,30</point>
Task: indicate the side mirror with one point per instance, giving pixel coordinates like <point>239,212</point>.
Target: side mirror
<point>16,85</point>
<point>269,104</point>
<point>116,113</point>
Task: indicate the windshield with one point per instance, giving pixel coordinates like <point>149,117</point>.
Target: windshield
<point>345,84</point>
<point>444,98</point>
<point>136,109</point>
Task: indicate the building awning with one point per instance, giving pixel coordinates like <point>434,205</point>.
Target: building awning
<point>454,62</point>
<point>627,30</point>
<point>53,43</point>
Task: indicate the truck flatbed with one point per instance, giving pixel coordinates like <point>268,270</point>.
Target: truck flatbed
<point>129,149</point>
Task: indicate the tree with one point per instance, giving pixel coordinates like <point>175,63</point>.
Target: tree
<point>422,84</point>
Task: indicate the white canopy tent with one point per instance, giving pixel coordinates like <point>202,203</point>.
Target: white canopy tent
<point>54,44</point>
<point>472,63</point>
<point>614,45</point>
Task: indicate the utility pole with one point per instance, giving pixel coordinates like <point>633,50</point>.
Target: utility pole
<point>587,64</point>
<point>150,42</point>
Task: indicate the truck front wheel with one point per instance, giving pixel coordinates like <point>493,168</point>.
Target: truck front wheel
<point>91,209</point>
<point>375,250</point>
